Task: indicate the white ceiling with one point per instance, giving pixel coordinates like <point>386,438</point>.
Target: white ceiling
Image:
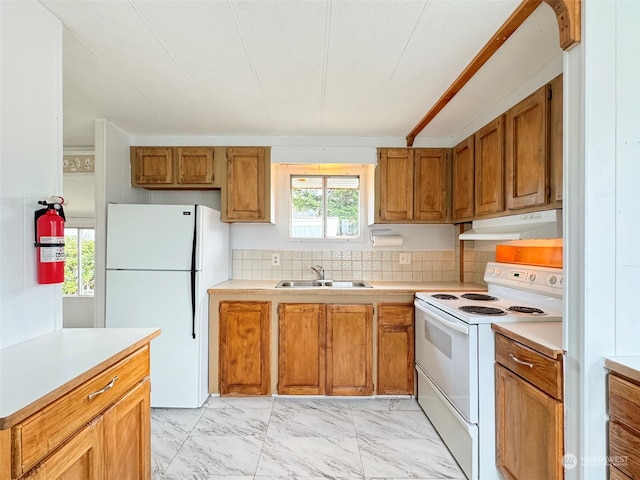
<point>288,67</point>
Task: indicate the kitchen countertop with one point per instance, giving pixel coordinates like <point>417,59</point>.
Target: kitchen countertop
<point>628,366</point>
<point>53,364</point>
<point>544,337</point>
<point>379,287</point>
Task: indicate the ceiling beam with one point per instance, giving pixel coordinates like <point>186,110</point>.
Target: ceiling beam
<point>568,15</point>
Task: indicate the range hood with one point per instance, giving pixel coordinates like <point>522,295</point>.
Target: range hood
<point>546,224</point>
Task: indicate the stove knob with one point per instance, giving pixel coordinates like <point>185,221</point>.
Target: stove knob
<point>552,280</point>
<point>498,271</point>
<point>492,271</point>
<point>561,280</point>
<point>532,277</point>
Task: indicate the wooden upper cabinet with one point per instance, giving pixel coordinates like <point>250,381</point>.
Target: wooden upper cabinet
<point>151,166</point>
<point>430,184</point>
<point>394,185</point>
<point>195,165</point>
<point>246,198</point>
<point>244,361</point>
<point>527,165</point>
<point>172,168</point>
<point>489,168</point>
<point>463,190</point>
<point>555,141</point>
<point>301,355</point>
<point>411,185</point>
<point>349,349</point>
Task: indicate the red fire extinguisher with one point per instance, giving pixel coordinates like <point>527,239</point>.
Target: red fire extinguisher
<point>50,241</point>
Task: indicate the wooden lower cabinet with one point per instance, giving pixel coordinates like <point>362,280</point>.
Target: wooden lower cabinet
<point>81,458</point>
<point>395,349</point>
<point>349,350</point>
<point>325,349</point>
<point>301,355</point>
<point>244,357</point>
<point>624,427</point>
<point>128,435</point>
<point>99,430</point>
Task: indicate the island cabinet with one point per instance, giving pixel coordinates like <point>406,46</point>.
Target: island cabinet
<point>99,429</point>
<point>325,349</point>
<point>395,362</point>
<point>463,179</point>
<point>555,141</point>
<point>489,168</point>
<point>412,185</point>
<point>624,427</point>
<point>246,195</point>
<point>244,355</point>
<point>529,412</point>
<point>173,168</point>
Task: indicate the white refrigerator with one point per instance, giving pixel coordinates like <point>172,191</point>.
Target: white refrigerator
<point>160,261</point>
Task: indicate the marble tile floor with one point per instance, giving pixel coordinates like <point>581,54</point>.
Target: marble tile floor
<point>279,438</point>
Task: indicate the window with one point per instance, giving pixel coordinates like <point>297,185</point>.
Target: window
<point>325,206</point>
<point>79,266</point>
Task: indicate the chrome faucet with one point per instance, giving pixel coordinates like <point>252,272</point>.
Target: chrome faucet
<point>319,271</point>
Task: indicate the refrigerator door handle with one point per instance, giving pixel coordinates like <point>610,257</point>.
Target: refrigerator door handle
<point>193,272</point>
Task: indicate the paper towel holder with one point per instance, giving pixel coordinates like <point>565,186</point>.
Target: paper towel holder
<point>378,231</point>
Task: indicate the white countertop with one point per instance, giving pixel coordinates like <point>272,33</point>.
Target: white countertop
<point>544,337</point>
<point>59,361</point>
<point>628,366</point>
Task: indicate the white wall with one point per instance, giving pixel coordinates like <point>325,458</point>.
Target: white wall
<point>30,162</point>
<point>601,255</point>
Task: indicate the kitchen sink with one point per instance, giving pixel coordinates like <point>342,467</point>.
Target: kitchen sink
<point>323,283</point>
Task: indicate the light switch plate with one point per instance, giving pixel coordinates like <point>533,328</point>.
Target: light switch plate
<point>275,259</point>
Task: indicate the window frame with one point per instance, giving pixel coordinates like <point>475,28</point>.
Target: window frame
<point>79,229</point>
<point>328,170</point>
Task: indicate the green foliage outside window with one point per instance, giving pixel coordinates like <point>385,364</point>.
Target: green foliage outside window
<point>79,262</point>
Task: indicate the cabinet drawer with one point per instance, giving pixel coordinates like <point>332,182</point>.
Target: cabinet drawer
<point>542,371</point>
<point>623,449</point>
<point>615,474</point>
<point>395,314</point>
<point>624,402</point>
<point>52,425</point>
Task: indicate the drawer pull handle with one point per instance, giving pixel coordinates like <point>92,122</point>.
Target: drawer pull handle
<point>108,386</point>
<point>517,360</point>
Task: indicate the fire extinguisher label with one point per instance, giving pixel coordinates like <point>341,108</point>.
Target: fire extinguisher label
<point>51,254</point>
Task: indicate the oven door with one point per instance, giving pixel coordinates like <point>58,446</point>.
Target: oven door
<point>446,349</point>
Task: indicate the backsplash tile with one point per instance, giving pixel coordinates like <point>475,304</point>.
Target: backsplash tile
<point>344,265</point>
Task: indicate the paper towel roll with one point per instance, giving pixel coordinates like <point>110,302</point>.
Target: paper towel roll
<point>387,240</point>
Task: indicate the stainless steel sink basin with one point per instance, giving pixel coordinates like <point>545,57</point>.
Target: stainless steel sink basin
<point>323,283</point>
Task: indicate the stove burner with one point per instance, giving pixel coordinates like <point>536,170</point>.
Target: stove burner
<point>478,297</point>
<point>532,310</point>
<point>482,310</point>
<point>444,296</point>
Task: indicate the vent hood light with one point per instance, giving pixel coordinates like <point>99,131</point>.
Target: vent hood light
<point>546,224</point>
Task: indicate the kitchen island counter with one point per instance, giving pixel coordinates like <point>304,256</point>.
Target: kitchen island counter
<point>544,337</point>
<point>627,366</point>
<point>40,370</point>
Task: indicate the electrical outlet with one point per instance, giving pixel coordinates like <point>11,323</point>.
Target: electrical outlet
<point>405,259</point>
<point>275,259</point>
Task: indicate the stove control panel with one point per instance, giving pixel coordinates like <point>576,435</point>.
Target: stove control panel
<point>529,277</point>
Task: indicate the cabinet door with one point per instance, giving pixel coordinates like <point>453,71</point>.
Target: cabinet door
<point>244,348</point>
<point>246,189</point>
<point>301,355</point>
<point>430,181</point>
<point>152,165</point>
<point>81,458</point>
<point>463,180</point>
<point>128,435</point>
<point>349,349</point>
<point>395,349</point>
<point>489,168</point>
<point>529,430</point>
<point>195,165</point>
<point>527,166</point>
<point>394,184</point>
<point>555,141</point>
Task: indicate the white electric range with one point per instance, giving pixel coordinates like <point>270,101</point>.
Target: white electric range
<point>454,352</point>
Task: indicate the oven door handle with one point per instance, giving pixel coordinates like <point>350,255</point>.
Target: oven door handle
<point>447,323</point>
